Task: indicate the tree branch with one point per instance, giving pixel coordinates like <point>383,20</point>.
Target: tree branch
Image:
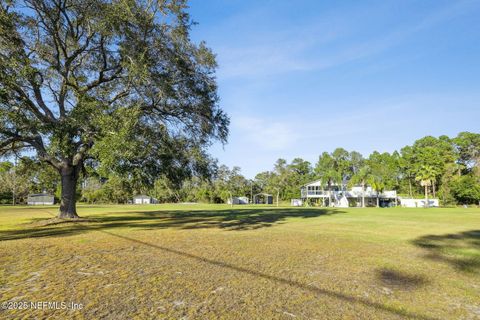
<point>41,103</point>
<point>31,106</point>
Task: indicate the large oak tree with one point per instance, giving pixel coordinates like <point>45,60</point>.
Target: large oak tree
<point>116,82</point>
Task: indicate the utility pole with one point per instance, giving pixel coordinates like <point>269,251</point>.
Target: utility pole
<point>14,189</point>
<point>251,191</point>
<point>278,194</point>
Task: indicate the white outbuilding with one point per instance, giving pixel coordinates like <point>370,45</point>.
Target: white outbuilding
<point>296,202</point>
<point>143,199</point>
<point>40,199</point>
<point>238,200</point>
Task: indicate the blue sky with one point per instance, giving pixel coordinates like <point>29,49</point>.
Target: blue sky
<point>302,77</point>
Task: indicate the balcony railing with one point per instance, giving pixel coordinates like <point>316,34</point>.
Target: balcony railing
<point>349,194</point>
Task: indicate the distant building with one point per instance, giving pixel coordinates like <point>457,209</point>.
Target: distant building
<point>238,200</point>
<point>40,199</point>
<point>144,199</point>
<point>418,203</point>
<point>296,202</point>
<point>263,198</point>
<point>339,196</point>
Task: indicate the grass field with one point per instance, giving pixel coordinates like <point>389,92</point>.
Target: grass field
<point>215,262</point>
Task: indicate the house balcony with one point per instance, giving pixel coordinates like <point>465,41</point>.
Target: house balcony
<point>349,194</point>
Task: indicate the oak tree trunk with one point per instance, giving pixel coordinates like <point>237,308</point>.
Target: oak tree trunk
<point>68,198</point>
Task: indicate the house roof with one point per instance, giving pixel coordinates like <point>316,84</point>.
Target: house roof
<point>40,195</point>
<point>317,182</point>
<point>313,182</point>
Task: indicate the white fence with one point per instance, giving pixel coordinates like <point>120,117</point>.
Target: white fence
<point>418,203</point>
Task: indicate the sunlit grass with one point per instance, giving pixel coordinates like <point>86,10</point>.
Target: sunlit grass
<point>246,262</point>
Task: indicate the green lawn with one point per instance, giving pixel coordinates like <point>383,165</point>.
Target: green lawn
<point>210,262</point>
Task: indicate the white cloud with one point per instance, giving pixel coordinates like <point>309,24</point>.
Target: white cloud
<point>283,51</point>
<point>256,61</point>
<point>264,133</point>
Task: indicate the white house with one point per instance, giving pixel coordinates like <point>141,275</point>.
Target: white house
<point>340,196</point>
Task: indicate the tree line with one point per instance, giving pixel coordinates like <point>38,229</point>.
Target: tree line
<point>445,168</point>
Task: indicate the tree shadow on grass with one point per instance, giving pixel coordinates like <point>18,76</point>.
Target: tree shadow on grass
<point>280,280</point>
<point>461,250</point>
<point>400,280</point>
<point>235,220</point>
<point>232,219</point>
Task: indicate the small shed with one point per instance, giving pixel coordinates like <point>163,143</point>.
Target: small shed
<point>40,199</point>
<point>143,199</point>
<point>296,202</point>
<point>263,198</point>
<point>237,200</point>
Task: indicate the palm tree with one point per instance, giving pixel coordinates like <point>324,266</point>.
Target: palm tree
<point>361,177</point>
<point>329,178</point>
<point>378,185</point>
<point>425,176</point>
<point>326,169</point>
